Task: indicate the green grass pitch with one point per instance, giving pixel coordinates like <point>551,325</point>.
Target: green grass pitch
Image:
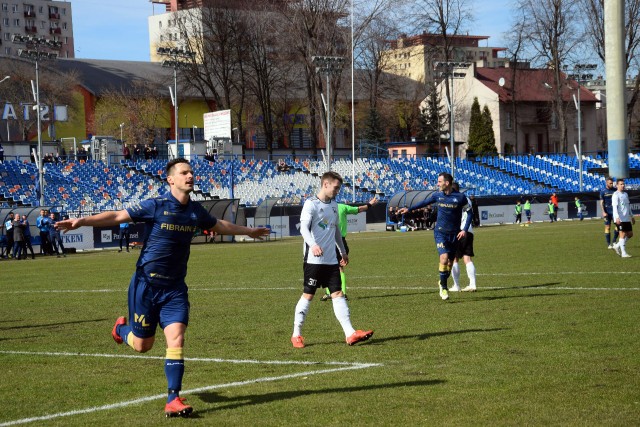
<point>550,338</point>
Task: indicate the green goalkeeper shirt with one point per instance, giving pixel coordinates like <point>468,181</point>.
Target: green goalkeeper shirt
<point>343,211</point>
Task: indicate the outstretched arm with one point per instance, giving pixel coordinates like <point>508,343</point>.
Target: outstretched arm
<point>104,219</point>
<point>229,228</point>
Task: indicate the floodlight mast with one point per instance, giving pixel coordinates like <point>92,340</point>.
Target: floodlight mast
<point>447,69</point>
<point>578,76</point>
<point>33,51</point>
<point>177,58</point>
<point>328,65</point>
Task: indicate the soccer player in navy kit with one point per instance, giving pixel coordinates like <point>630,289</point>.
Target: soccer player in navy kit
<point>157,292</point>
<point>607,212</point>
<point>447,230</point>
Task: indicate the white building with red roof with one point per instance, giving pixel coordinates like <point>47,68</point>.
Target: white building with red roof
<point>520,102</point>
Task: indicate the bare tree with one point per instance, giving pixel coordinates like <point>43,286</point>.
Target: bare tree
<point>446,19</point>
<point>139,106</point>
<point>593,17</point>
<point>269,73</point>
<point>54,90</point>
<point>553,34</point>
<point>515,47</point>
<point>314,30</point>
<point>216,32</point>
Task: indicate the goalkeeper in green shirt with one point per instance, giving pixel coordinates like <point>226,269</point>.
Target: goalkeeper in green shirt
<point>343,211</point>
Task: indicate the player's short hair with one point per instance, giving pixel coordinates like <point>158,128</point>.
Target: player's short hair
<point>609,178</point>
<point>446,176</point>
<point>620,180</point>
<point>331,175</point>
<point>169,168</point>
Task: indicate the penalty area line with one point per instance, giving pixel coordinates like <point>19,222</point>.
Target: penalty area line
<point>184,392</point>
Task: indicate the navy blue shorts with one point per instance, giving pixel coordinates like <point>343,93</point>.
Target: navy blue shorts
<point>150,306</point>
<point>608,218</point>
<point>446,243</point>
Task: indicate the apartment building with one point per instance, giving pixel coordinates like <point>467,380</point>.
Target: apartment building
<point>41,18</point>
<point>414,57</point>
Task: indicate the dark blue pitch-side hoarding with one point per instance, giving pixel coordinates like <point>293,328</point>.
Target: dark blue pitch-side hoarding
<point>108,237</point>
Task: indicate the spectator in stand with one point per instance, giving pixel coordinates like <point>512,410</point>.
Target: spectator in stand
<point>8,231</point>
<point>18,238</point>
<point>126,152</point>
<point>137,152</point>
<point>147,152</point>
<point>27,237</point>
<point>154,152</point>
<point>54,236</point>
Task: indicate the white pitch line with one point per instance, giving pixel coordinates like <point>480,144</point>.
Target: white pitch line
<point>347,367</point>
<point>293,288</point>
<point>184,392</point>
<point>189,359</point>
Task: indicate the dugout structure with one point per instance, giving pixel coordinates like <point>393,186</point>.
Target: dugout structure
<point>227,209</point>
<point>405,199</point>
<point>264,211</point>
<point>32,214</point>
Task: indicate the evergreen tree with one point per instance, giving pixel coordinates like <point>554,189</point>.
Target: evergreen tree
<point>432,119</point>
<point>482,140</point>
<point>488,145</point>
<point>373,128</point>
<point>475,127</point>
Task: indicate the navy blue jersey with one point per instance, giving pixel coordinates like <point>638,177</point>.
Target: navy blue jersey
<point>169,228</point>
<point>606,195</point>
<point>450,208</point>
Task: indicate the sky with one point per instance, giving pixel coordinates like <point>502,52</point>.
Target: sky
<point>118,29</point>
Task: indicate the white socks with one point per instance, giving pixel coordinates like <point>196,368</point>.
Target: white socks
<point>471,273</point>
<point>302,308</point>
<point>341,310</point>
<point>455,274</point>
<point>621,244</point>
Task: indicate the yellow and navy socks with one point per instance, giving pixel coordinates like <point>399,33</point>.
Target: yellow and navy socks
<point>445,272</point>
<point>174,371</point>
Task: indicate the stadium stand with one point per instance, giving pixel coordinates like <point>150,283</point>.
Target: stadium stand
<point>90,186</point>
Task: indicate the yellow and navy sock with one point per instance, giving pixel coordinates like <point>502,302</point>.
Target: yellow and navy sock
<point>124,331</point>
<point>174,371</point>
<point>607,236</point>
<point>445,272</point>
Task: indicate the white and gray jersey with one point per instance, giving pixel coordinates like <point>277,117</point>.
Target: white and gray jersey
<point>621,206</point>
<point>319,226</point>
<point>464,217</point>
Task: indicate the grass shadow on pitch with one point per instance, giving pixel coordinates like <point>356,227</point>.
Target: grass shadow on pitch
<point>501,297</point>
<point>48,325</point>
<point>389,295</point>
<point>226,403</point>
<point>426,336</point>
